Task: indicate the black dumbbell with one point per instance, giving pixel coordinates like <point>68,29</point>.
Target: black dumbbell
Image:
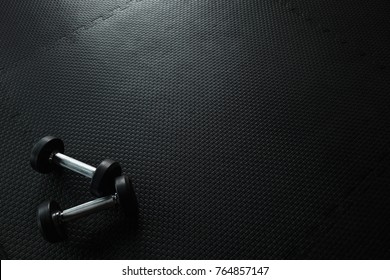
<point>48,152</point>
<point>52,220</point>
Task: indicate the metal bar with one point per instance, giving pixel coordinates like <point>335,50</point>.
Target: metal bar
<point>74,165</point>
<point>88,208</point>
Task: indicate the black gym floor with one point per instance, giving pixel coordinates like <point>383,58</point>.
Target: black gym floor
<point>251,129</point>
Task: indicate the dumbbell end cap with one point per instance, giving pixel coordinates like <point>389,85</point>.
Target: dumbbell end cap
<point>103,180</point>
<point>126,196</point>
<point>50,229</point>
<point>42,151</point>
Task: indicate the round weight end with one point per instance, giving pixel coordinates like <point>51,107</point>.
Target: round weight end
<point>126,196</point>
<point>42,151</point>
<point>50,229</point>
<point>103,180</point>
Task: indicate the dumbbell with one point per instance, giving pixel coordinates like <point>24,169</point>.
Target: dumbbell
<point>47,153</point>
<point>52,220</point>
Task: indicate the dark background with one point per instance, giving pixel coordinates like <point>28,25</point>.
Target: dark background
<point>252,129</point>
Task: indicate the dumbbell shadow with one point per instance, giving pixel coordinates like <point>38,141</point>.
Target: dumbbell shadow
<point>102,228</point>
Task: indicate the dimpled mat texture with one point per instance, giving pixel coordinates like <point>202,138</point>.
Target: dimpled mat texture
<point>252,129</point>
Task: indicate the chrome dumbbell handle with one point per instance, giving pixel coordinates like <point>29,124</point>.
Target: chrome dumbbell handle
<point>73,164</point>
<point>86,209</point>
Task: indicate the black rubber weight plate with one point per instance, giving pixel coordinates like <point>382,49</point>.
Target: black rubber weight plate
<point>248,131</point>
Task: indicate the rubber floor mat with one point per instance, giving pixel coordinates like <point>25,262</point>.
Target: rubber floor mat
<point>248,131</point>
